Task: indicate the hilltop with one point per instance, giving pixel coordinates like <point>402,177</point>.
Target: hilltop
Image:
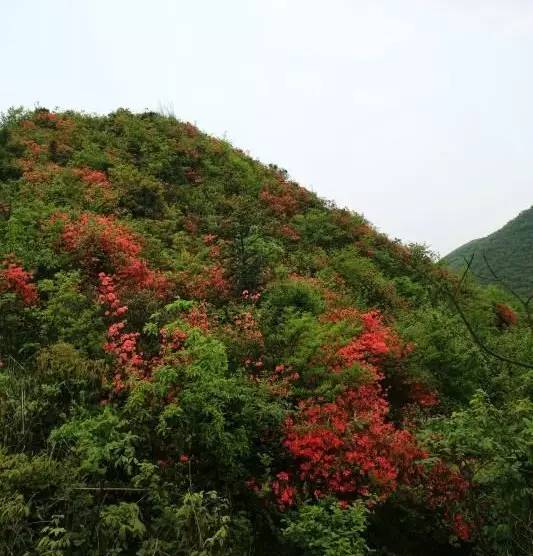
<point>200,357</point>
<point>508,252</point>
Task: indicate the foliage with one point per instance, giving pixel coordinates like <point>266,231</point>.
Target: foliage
<point>507,251</point>
<point>326,529</point>
<point>200,357</point>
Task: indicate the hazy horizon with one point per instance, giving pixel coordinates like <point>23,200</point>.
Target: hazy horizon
<point>416,115</point>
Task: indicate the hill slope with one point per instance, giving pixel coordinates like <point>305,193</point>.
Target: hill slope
<point>200,357</point>
<point>508,251</point>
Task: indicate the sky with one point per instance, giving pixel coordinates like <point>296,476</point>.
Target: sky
<point>416,113</point>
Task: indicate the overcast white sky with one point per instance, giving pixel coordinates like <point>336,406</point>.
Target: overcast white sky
<point>417,113</point>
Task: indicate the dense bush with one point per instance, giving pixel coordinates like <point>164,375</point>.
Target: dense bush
<point>200,357</point>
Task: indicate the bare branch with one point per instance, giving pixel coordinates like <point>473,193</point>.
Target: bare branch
<point>467,269</point>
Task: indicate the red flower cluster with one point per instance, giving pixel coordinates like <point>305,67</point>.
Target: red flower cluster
<point>248,328</point>
<point>283,203</point>
<point>505,316</point>
<point>211,284</point>
<point>93,235</point>
<point>34,148</point>
<point>347,447</point>
<point>190,130</point>
<point>375,341</point>
<point>281,382</point>
<point>249,296</point>
<point>93,177</point>
<point>97,185</point>
<point>107,295</point>
<point>422,395</point>
<point>137,275</point>
<point>40,174</point>
<point>209,239</point>
<point>444,486</point>
<point>45,133</point>
<point>283,491</point>
<point>14,278</point>
<point>197,317</point>
<point>289,232</point>
<point>461,527</point>
<point>172,340</point>
<point>191,224</point>
<point>340,314</point>
<point>100,242</point>
<point>123,345</point>
<point>44,116</point>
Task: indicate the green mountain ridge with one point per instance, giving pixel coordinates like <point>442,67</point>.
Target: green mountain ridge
<point>200,357</point>
<point>508,252</point>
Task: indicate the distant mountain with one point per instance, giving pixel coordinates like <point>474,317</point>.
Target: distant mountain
<point>504,257</point>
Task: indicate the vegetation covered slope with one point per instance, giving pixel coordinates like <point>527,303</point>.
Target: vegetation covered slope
<point>504,257</point>
<point>200,357</point>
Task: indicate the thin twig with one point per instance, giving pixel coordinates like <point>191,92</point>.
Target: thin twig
<point>467,269</point>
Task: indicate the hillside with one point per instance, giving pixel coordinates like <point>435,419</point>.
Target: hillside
<point>199,357</point>
<point>508,251</point>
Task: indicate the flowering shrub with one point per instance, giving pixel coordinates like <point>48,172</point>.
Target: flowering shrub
<point>209,284</point>
<point>293,358</point>
<point>289,232</point>
<point>14,278</point>
<point>505,316</point>
<point>197,317</point>
<point>98,188</point>
<point>39,174</point>
<point>422,395</point>
<point>348,447</point>
<point>122,345</point>
<point>283,491</point>
<point>282,380</point>
<point>461,527</point>
<point>101,243</point>
<point>282,203</point>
